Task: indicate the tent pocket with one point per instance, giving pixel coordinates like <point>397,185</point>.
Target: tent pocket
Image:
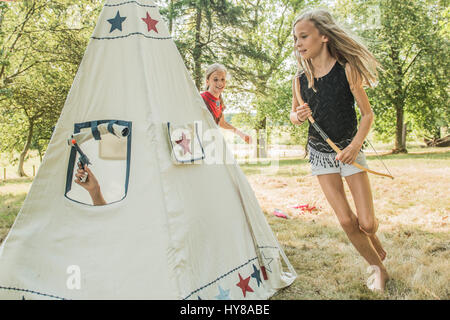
<point>105,145</point>
<point>184,143</point>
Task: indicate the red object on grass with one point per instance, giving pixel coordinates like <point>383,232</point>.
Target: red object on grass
<point>301,206</point>
<point>305,207</point>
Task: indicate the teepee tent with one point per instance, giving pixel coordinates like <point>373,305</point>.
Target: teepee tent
<point>179,224</point>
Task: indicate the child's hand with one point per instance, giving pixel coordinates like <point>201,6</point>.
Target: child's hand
<point>247,138</point>
<point>91,183</point>
<point>303,112</point>
<point>348,155</point>
<point>243,136</point>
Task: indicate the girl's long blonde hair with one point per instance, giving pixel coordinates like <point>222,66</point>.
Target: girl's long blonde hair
<point>341,46</point>
<point>210,70</point>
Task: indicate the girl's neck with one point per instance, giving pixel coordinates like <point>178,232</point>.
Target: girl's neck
<point>322,62</point>
<point>214,94</point>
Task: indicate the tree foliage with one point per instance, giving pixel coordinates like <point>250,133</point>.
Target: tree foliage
<point>42,45</point>
<point>409,40</point>
<point>198,26</point>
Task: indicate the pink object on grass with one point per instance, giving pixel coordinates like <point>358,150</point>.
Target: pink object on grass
<point>280,214</point>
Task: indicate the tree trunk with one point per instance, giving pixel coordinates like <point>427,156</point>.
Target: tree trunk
<point>40,153</point>
<point>261,147</point>
<point>24,152</point>
<point>197,52</point>
<point>400,146</point>
<point>170,16</point>
<point>404,131</point>
<point>441,142</point>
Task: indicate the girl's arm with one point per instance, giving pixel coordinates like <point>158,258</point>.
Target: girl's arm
<point>299,113</point>
<point>226,125</point>
<point>350,153</point>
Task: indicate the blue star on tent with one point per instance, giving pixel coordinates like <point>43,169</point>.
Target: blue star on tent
<point>116,22</point>
<point>223,294</point>
<point>256,275</point>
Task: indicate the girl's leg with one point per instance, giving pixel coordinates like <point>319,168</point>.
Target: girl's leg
<point>333,188</point>
<point>359,185</point>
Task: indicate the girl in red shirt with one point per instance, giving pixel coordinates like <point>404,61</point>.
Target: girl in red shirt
<point>215,84</point>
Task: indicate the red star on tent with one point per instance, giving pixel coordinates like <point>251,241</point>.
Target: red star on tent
<point>151,23</point>
<point>243,284</point>
<point>184,143</point>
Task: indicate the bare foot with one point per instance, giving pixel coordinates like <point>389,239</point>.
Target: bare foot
<point>377,281</point>
<point>378,247</point>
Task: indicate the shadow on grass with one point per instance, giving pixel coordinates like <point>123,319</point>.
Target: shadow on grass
<point>413,156</point>
<point>302,161</point>
<point>281,168</point>
<point>16,180</point>
<point>281,162</point>
<point>300,166</point>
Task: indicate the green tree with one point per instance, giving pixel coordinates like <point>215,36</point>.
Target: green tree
<point>409,40</point>
<point>43,43</point>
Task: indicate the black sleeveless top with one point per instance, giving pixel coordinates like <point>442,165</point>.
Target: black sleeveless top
<point>332,107</point>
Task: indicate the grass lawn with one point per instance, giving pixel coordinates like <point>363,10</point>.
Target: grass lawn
<point>413,210</point>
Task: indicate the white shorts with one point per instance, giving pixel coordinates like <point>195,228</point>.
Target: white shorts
<point>325,163</point>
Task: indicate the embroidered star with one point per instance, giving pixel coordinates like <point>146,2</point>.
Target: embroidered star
<point>267,265</point>
<point>151,23</point>
<point>184,143</point>
<point>223,294</point>
<point>243,284</point>
<point>256,275</point>
<point>116,22</point>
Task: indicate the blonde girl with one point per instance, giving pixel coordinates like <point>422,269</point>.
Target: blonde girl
<point>212,96</point>
<point>335,69</point>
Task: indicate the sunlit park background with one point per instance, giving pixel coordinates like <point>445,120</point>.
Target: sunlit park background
<point>43,42</point>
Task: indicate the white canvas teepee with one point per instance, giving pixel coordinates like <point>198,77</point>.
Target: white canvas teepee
<point>173,228</point>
